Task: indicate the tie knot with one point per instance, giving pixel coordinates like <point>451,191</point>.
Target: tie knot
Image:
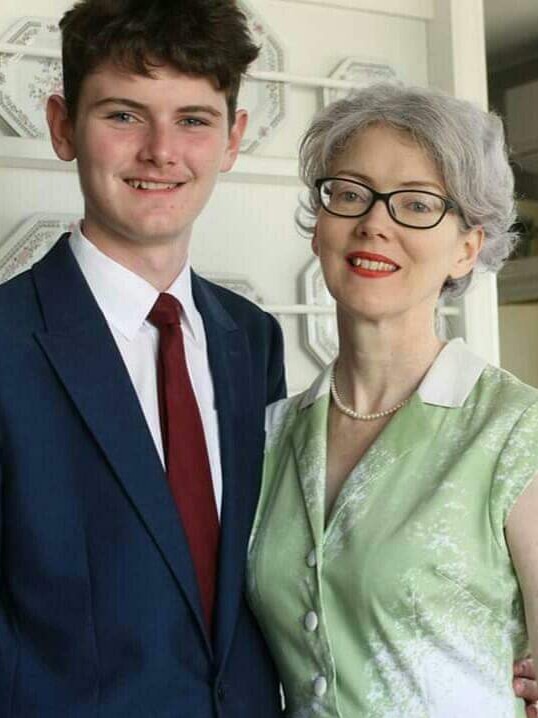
<point>166,310</point>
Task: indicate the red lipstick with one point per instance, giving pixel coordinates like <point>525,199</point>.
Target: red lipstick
<point>370,265</point>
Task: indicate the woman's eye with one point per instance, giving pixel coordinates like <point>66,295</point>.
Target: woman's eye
<point>418,207</point>
<point>349,196</point>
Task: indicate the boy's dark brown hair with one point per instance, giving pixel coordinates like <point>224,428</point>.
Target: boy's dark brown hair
<point>206,38</point>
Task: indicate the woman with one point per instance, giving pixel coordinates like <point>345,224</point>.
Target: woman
<point>380,562</point>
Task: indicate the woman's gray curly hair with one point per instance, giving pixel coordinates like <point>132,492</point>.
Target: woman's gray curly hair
<point>466,143</point>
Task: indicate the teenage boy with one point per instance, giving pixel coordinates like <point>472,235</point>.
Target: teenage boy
<point>122,561</point>
<point>132,393</point>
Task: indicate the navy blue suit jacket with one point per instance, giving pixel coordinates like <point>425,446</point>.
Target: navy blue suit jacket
<point>99,609</point>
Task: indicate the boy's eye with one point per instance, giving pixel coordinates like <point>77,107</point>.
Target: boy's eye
<point>192,122</point>
<point>122,117</point>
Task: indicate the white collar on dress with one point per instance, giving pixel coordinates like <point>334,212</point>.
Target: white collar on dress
<point>448,382</point>
<point>124,297</point>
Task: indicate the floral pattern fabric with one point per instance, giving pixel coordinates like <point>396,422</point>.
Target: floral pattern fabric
<point>405,603</point>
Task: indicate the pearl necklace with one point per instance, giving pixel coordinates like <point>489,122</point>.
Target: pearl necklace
<point>355,414</point>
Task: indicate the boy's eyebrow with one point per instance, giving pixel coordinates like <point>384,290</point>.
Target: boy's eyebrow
<point>209,109</point>
<point>126,102</point>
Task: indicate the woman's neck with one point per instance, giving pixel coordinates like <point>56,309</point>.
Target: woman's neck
<point>382,363</point>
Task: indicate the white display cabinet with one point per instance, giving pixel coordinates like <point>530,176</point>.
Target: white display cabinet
<point>246,236</point>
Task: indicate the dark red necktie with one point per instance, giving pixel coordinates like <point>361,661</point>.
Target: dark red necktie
<point>185,450</point>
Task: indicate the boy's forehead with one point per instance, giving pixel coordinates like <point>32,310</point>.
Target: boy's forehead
<point>110,77</point>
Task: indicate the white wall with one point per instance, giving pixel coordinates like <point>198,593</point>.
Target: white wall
<point>248,227</point>
<point>518,330</point>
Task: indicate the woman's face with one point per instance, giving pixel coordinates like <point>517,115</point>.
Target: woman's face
<point>403,269</point>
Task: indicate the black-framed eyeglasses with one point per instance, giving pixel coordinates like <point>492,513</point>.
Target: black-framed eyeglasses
<point>417,209</point>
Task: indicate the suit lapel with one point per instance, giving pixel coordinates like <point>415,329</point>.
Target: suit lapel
<point>83,353</point>
<point>230,367</point>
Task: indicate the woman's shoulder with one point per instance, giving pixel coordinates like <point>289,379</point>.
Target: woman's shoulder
<point>280,417</point>
<point>505,390</point>
<point>278,414</point>
<point>461,379</point>
<point>513,436</point>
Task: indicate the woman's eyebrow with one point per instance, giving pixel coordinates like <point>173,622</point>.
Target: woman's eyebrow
<point>407,184</point>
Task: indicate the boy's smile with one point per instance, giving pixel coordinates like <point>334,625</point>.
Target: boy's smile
<point>149,151</point>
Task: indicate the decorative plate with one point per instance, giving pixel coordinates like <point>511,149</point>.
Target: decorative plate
<point>361,72</point>
<point>31,240</point>
<point>27,81</point>
<point>236,283</point>
<point>321,330</point>
<point>265,101</point>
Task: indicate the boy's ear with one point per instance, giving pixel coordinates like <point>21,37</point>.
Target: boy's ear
<point>61,128</point>
<point>234,140</point>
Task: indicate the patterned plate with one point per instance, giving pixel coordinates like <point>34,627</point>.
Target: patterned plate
<point>30,241</point>
<point>361,72</point>
<point>265,101</point>
<point>26,81</point>
<point>321,330</point>
<point>236,283</point>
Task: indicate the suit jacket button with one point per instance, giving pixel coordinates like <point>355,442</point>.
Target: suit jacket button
<point>221,691</point>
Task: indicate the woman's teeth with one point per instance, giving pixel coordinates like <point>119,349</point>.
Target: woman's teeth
<point>372,265</point>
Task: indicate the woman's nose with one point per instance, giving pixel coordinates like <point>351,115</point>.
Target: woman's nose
<point>376,221</point>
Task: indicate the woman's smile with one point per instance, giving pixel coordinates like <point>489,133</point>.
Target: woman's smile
<point>373,266</point>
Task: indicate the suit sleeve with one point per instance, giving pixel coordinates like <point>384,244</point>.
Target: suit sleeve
<point>276,373</point>
<point>8,650</point>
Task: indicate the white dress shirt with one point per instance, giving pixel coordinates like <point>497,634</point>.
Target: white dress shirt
<point>126,299</point>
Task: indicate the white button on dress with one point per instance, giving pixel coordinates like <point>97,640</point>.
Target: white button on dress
<point>311,621</point>
<point>320,686</point>
<point>311,558</point>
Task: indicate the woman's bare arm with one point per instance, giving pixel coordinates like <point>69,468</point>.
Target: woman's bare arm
<point>522,538</point>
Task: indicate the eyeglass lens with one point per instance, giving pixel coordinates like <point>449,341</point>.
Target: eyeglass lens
<point>350,199</point>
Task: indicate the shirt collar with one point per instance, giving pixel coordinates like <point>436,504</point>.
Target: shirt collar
<point>448,382</point>
<point>124,297</point>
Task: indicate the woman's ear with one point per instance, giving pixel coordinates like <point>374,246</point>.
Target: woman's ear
<point>314,242</point>
<point>468,251</point>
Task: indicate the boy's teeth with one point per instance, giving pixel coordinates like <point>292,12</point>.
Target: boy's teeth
<point>140,184</point>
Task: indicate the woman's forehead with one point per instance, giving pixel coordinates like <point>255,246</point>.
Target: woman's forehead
<point>383,148</point>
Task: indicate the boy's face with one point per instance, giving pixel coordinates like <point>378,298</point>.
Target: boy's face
<point>149,151</point>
